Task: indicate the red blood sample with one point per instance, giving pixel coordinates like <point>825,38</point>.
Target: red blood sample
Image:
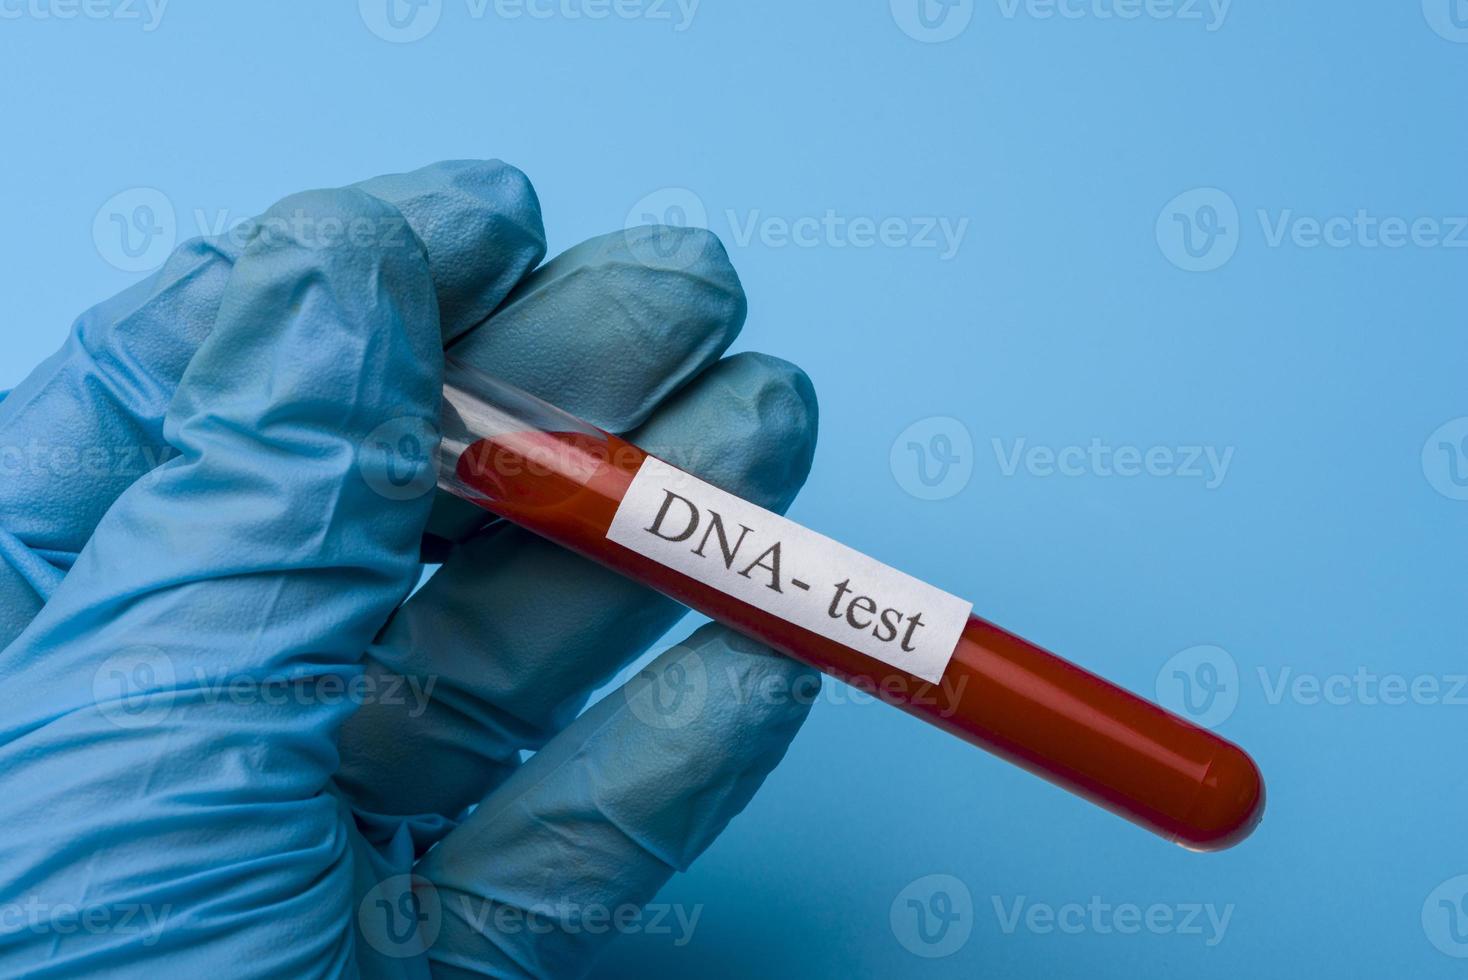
<point>999,692</point>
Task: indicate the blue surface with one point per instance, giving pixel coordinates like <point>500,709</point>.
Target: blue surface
<point>1066,149</point>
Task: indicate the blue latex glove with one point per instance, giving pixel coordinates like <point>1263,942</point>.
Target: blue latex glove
<point>191,622</point>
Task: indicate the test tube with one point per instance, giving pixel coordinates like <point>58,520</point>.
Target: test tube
<point>543,469</point>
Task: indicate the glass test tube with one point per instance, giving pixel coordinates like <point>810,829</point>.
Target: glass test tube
<point>533,464</point>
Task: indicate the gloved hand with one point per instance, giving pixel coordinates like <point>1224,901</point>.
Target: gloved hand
<point>201,584</point>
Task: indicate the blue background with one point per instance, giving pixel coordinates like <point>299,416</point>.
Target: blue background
<point>1062,319</point>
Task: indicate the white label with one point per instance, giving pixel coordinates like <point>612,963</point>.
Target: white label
<point>794,573</point>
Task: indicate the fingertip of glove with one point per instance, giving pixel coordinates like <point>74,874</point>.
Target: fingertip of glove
<point>787,687</point>
<point>334,225</point>
<point>783,395</point>
<point>682,273</point>
<point>690,251</point>
<point>482,225</point>
<point>611,328</point>
<point>490,191</point>
<point>749,425</point>
<point>744,700</point>
<point>713,717</point>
